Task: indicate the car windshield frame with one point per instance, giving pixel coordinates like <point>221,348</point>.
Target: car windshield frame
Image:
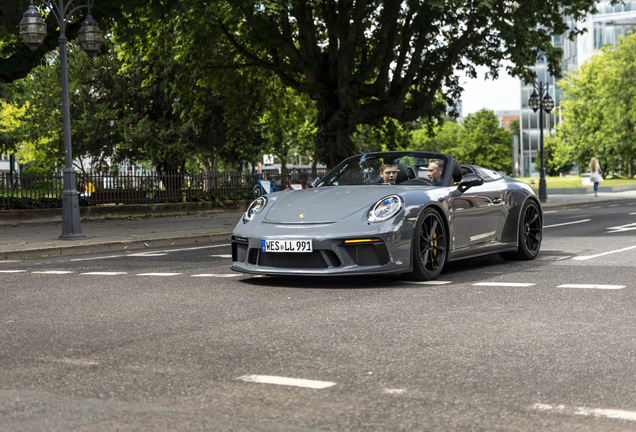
<point>407,168</point>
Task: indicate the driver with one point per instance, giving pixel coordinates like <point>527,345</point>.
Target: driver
<point>389,173</point>
<point>435,168</point>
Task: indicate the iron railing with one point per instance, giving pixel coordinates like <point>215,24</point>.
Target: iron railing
<point>46,190</point>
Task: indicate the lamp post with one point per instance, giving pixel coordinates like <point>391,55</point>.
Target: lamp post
<point>541,100</point>
<point>33,32</point>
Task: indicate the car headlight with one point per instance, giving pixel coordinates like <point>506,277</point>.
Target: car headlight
<point>255,208</point>
<point>386,208</point>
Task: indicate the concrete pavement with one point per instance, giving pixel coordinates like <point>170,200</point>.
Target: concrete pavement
<point>34,240</point>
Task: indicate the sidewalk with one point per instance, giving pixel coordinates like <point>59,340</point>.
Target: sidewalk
<point>38,240</point>
<point>35,240</point>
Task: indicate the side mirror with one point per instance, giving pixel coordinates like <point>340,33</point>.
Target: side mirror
<point>468,180</point>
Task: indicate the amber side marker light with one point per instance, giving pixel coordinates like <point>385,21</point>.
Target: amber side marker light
<point>362,241</point>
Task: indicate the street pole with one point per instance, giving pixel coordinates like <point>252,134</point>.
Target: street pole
<point>33,32</point>
<point>543,102</point>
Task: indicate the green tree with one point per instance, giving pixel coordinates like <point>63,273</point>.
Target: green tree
<point>363,61</point>
<point>478,140</point>
<point>599,112</point>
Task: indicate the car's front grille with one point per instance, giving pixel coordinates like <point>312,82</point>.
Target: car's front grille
<point>311,260</point>
<point>239,252</point>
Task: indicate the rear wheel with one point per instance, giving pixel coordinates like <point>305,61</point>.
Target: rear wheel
<point>430,243</point>
<point>530,233</point>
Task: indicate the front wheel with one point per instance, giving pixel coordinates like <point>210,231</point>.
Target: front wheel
<point>430,243</point>
<point>530,233</point>
<point>257,191</point>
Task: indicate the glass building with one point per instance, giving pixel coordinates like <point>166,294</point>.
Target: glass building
<point>603,28</point>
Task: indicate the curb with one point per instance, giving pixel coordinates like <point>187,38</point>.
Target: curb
<point>125,210</point>
<point>119,246</point>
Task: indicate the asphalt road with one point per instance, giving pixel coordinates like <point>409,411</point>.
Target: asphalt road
<point>169,339</point>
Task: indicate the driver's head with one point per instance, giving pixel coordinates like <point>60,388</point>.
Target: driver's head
<point>435,170</point>
<point>389,173</point>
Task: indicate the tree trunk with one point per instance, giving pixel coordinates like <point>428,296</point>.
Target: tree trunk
<point>630,173</point>
<point>333,139</point>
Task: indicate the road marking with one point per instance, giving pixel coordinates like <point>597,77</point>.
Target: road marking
<point>222,256</point>
<point>503,284</point>
<point>574,209</point>
<point>158,274</point>
<point>198,247</point>
<point>583,258</point>
<point>565,257</point>
<point>53,272</point>
<point>97,258</point>
<point>12,271</point>
<point>589,412</point>
<point>104,273</point>
<point>614,205</point>
<point>393,391</point>
<point>633,213</point>
<point>567,223</point>
<point>551,211</point>
<point>435,282</point>
<point>596,207</point>
<point>295,382</point>
<point>592,286</point>
<point>221,275</point>
<point>9,261</point>
<point>622,228</point>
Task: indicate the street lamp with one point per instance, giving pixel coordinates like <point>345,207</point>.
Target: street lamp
<point>541,100</point>
<point>91,38</point>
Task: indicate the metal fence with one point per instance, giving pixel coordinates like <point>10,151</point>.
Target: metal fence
<point>46,191</point>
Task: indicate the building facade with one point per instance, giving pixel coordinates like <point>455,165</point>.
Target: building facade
<point>603,28</point>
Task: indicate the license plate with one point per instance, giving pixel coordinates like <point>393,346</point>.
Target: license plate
<point>286,246</point>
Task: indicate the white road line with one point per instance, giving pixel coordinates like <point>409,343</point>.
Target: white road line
<point>503,284</point>
<point>222,256</point>
<point>567,223</point>
<point>565,257</point>
<point>12,271</point>
<point>583,258</point>
<point>220,275</point>
<point>393,391</point>
<point>632,213</point>
<point>295,382</point>
<point>198,247</point>
<point>97,258</point>
<point>551,211</point>
<point>9,261</point>
<point>53,272</point>
<point>574,209</point>
<point>588,412</point>
<point>592,286</point>
<point>158,274</point>
<point>614,205</point>
<point>435,282</point>
<point>622,228</point>
<point>104,273</point>
<point>596,207</point>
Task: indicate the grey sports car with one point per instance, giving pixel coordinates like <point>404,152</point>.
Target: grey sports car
<point>403,213</point>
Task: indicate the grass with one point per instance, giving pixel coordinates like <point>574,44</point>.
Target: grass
<point>575,182</point>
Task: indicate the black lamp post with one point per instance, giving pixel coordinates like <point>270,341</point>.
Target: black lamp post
<point>91,38</point>
<point>543,102</point>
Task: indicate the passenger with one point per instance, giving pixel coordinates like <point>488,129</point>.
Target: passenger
<point>389,173</point>
<point>435,168</point>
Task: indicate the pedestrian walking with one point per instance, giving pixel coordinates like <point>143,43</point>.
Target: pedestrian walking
<point>595,174</point>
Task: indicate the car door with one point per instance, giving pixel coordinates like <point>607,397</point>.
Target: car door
<point>477,218</point>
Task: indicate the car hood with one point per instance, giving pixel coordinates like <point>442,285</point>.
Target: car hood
<point>325,204</point>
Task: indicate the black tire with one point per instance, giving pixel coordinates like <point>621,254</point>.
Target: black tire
<point>530,233</point>
<point>430,247</point>
<point>257,191</point>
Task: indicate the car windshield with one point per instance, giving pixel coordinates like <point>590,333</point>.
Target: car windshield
<point>409,168</point>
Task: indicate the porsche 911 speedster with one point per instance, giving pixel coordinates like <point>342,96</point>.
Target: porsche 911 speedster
<point>403,213</point>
